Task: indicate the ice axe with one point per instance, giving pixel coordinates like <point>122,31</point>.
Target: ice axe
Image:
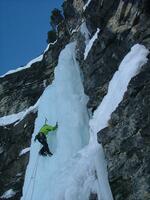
<point>46,120</point>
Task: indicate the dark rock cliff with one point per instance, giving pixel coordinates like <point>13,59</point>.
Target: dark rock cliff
<point>126,140</point>
<point>13,139</point>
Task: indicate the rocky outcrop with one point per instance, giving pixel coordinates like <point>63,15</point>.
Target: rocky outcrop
<point>117,35</point>
<point>13,139</point>
<point>127,142</point>
<point>98,69</point>
<point>99,12</point>
<point>126,139</point>
<point>22,89</point>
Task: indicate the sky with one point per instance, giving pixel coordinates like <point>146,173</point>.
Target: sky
<point>23,30</point>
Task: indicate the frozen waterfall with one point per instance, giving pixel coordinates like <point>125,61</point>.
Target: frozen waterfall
<point>78,166</point>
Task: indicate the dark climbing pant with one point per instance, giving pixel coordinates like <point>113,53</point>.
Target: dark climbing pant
<point>45,149</point>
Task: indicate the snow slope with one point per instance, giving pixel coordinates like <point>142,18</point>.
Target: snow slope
<point>77,167</point>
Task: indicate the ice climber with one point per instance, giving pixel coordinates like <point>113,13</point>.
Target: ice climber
<point>41,137</point>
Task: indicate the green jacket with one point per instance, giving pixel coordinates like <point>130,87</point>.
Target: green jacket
<point>46,128</point>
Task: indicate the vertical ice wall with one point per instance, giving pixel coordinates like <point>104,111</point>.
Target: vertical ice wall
<point>64,101</point>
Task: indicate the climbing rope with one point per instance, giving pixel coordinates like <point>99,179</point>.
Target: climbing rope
<point>32,178</point>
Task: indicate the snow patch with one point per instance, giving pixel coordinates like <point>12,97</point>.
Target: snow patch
<point>85,32</point>
<point>128,68</point>
<point>8,194</point>
<point>74,31</point>
<point>38,59</point>
<point>90,43</point>
<point>52,43</point>
<point>29,110</point>
<point>24,151</point>
<point>19,174</point>
<point>86,5</point>
<point>9,119</point>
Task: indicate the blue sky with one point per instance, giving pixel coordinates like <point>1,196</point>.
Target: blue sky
<point>23,30</point>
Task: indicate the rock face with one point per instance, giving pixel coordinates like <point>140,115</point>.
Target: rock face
<point>98,69</point>
<point>126,140</point>
<point>13,139</point>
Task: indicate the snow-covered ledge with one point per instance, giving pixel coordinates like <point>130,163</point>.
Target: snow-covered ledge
<point>9,119</point>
